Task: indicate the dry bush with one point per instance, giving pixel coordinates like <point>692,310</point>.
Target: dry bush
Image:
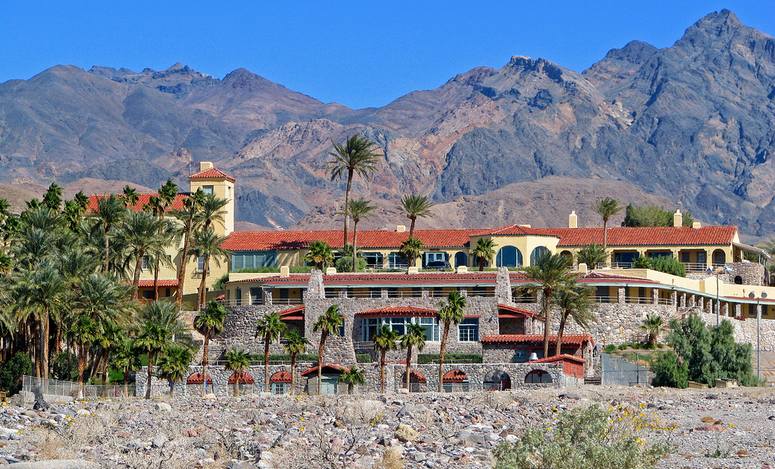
<point>392,458</point>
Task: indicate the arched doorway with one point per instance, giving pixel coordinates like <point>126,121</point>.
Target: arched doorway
<point>461,258</point>
<point>568,256</point>
<point>241,382</point>
<point>455,380</point>
<point>416,380</point>
<point>498,381</point>
<point>280,382</point>
<point>537,254</point>
<point>719,257</point>
<point>538,377</point>
<point>738,280</point>
<point>508,256</point>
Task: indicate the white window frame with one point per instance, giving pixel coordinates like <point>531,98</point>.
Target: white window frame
<point>376,324</point>
<point>468,332</point>
<point>208,189</point>
<point>145,263</point>
<point>200,264</point>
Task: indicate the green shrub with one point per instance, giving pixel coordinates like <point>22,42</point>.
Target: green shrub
<point>610,348</point>
<point>425,358</point>
<point>363,358</point>
<point>586,438</point>
<point>11,372</point>
<point>666,264</point>
<point>296,269</point>
<point>283,358</point>
<point>345,264</point>
<point>669,371</point>
<point>64,366</point>
<point>624,346</point>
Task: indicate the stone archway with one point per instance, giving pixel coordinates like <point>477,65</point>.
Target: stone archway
<point>538,377</point>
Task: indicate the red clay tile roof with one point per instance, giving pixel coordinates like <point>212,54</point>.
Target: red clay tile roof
<point>291,311</point>
<point>244,378</point>
<point>398,311</point>
<point>513,312</point>
<point>281,377</point>
<point>646,236</point>
<point>561,357</point>
<point>160,283</point>
<point>142,201</point>
<point>327,367</point>
<point>399,279</point>
<point>416,375</point>
<point>212,173</point>
<point>574,339</point>
<point>517,230</point>
<point>198,378</point>
<point>454,376</point>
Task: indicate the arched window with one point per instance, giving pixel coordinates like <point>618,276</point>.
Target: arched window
<point>537,253</point>
<point>454,378</point>
<point>538,377</point>
<point>508,256</point>
<point>498,381</point>
<point>461,258</point>
<point>568,255</point>
<point>416,380</point>
<point>719,257</point>
<point>738,280</point>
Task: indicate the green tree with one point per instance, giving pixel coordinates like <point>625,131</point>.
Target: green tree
<point>295,344</point>
<point>551,272</point>
<point>173,364</point>
<point>451,312</point>
<point>484,250</point>
<point>651,215</point>
<point>356,157</point>
<point>269,328</point>
<point>126,359</point>
<point>53,197</point>
<point>140,235</point>
<point>669,371</point>
<point>207,246</point>
<point>358,210</point>
<point>320,255</point>
<point>327,324</point>
<point>653,325</point>
<point>82,332</point>
<point>573,301</point>
<point>411,249</point>
<point>11,372</point>
<point>385,340</point>
<point>413,338</point>
<point>209,323</point>
<point>189,222</point>
<point>238,361</point>
<point>607,208</point>
<point>129,196</point>
<point>110,212</point>
<point>415,206</point>
<point>591,255</point>
<point>352,376</point>
<point>159,323</point>
<point>211,211</point>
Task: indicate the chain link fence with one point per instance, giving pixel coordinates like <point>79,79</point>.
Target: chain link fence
<point>55,387</point>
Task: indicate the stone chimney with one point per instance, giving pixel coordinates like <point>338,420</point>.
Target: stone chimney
<point>205,165</point>
<point>696,225</point>
<point>678,219</point>
<point>400,228</point>
<point>573,220</point>
<point>503,285</point>
<point>315,288</point>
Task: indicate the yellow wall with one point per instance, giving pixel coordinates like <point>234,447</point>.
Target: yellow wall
<point>525,244</point>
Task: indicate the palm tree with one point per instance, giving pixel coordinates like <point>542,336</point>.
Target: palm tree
<point>160,322</point>
<point>295,344</point>
<point>415,206</point>
<point>606,208</point>
<point>210,211</point>
<point>126,359</point>
<point>140,234</point>
<point>358,210</point>
<point>411,249</point>
<point>167,231</point>
<point>356,156</point>
<point>53,197</point>
<point>270,328</point>
<point>573,301</point>
<point>483,251</point>
<point>320,254</point>
<point>110,211</point>
<point>173,364</point>
<point>209,323</point>
<point>188,217</point>
<point>551,272</point>
<point>414,337</point>
<point>653,325</point>
<point>82,332</point>
<point>130,196</point>
<point>237,361</point>
<point>207,245</point>
<point>352,376</point>
<point>327,324</point>
<point>591,255</point>
<point>385,340</point>
<point>452,312</point>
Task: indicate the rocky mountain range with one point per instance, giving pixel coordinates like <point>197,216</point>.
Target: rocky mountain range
<point>691,125</point>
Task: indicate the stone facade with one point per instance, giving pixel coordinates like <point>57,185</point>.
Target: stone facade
<point>746,273</point>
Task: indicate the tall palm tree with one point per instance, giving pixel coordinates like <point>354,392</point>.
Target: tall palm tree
<point>573,301</point>
<point>130,196</point>
<point>110,211</point>
<point>211,211</point>
<point>352,376</point>
<point>295,344</point>
<point>484,250</point>
<point>209,323</point>
<point>415,206</point>
<point>82,332</point>
<point>356,157</point>
<point>320,254</point>
<point>53,197</point>
<point>385,340</point>
<point>188,216</point>
<point>551,272</point>
<point>414,337</point>
<point>238,361</point>
<point>411,249</point>
<point>452,312</point>
<point>140,234</point>
<point>270,328</point>
<point>653,325</point>
<point>207,245</point>
<point>607,208</point>
<point>173,364</point>
<point>358,209</point>
<point>167,231</point>
<point>327,324</point>
<point>159,323</point>
<point>126,359</point>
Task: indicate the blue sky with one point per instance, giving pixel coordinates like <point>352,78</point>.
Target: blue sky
<point>355,53</point>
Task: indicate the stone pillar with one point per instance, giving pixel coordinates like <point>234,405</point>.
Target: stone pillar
<point>267,295</point>
<point>701,303</point>
<point>315,288</point>
<point>692,301</point>
<point>622,296</point>
<point>384,293</point>
<point>463,292</point>
<point>725,309</point>
<point>738,310</point>
<point>503,285</point>
<point>655,296</point>
<point>709,258</point>
<point>683,300</point>
<point>674,298</point>
<point>425,293</point>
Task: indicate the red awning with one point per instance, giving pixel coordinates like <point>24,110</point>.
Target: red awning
<point>244,378</point>
<point>198,378</point>
<point>454,376</point>
<point>331,367</point>
<point>281,377</point>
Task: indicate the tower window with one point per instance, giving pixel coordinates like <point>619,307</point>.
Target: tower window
<point>208,190</point>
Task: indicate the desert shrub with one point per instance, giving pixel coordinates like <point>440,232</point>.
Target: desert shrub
<point>610,348</point>
<point>669,371</point>
<point>64,366</point>
<point>11,372</point>
<point>345,264</point>
<point>586,438</point>
<point>425,358</point>
<point>666,264</point>
<point>363,358</point>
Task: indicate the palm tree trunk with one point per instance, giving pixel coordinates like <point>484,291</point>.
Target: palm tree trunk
<point>150,376</point>
<point>182,269</point>
<point>293,371</point>
<point>202,284</point>
<point>237,383</point>
<point>321,349</point>
<point>382,370</point>
<point>81,367</point>
<point>156,280</point>
<point>442,353</point>
<point>205,361</point>
<point>355,246</point>
<point>44,345</point>
<point>266,364</point>
<point>546,304</point>
<point>560,331</point>
<point>605,239</point>
<point>58,338</point>
<point>411,226</point>
<point>136,276</point>
<point>347,205</point>
<point>408,366</point>
<point>106,261</point>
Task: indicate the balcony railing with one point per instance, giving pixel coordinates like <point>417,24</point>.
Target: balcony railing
<point>260,301</point>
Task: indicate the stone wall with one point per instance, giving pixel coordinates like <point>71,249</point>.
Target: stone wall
<point>751,273</point>
<point>745,331</point>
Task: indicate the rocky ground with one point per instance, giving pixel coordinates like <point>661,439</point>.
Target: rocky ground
<point>732,428</point>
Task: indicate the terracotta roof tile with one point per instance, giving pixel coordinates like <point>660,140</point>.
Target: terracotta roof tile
<point>512,311</point>
<point>326,367</point>
<point>244,378</point>
<point>454,376</point>
<point>557,358</point>
<point>160,283</point>
<point>212,173</point>
<point>575,339</point>
<point>142,201</point>
<point>198,378</point>
<point>281,377</point>
<point>416,375</point>
<point>646,236</point>
<point>398,311</point>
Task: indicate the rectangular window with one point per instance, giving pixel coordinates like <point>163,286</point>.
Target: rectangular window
<point>283,293</point>
<point>369,328</point>
<point>145,263</point>
<point>256,296</point>
<point>468,330</point>
<point>238,296</point>
<point>279,388</point>
<point>431,326</point>
<point>148,294</point>
<point>375,292</point>
<point>200,264</point>
<point>340,332</point>
<point>208,190</point>
<point>392,292</point>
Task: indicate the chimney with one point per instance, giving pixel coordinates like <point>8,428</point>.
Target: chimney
<point>205,165</point>
<point>573,220</point>
<point>400,228</point>
<point>524,226</point>
<point>678,219</point>
<point>696,225</point>
<point>583,268</point>
<point>285,271</point>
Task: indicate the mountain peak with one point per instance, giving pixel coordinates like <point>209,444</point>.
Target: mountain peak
<point>718,26</point>
<point>523,63</point>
